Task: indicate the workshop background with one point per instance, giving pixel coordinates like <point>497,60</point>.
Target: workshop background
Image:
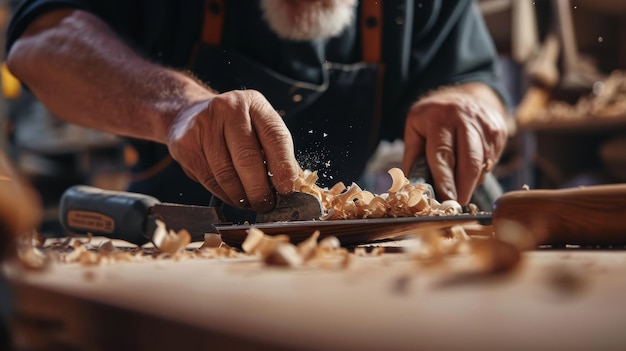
<point>563,63</point>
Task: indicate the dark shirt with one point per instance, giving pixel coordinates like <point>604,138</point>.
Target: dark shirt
<point>426,44</point>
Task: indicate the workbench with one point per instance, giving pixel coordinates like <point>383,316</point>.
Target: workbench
<point>556,299</point>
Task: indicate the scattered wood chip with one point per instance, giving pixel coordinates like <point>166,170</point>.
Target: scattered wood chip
<point>306,248</point>
<point>31,258</point>
<point>169,241</point>
<point>284,254</point>
<point>258,243</point>
<point>494,255</point>
<point>212,240</point>
<point>402,199</point>
<point>276,250</point>
<point>566,281</point>
<point>360,251</point>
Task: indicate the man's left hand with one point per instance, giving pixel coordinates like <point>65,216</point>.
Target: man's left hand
<point>462,132</point>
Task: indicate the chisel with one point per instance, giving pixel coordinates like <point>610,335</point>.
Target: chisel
<point>132,217</point>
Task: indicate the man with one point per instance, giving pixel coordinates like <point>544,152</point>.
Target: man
<point>241,94</point>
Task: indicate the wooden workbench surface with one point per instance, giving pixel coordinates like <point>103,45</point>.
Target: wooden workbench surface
<point>557,299</point>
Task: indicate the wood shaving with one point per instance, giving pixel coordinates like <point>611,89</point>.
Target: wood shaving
<point>169,241</point>
<point>494,255</point>
<point>32,258</point>
<point>401,200</point>
<point>284,254</point>
<point>88,252</point>
<point>490,255</point>
<point>566,281</point>
<point>276,250</point>
<point>428,248</point>
<point>362,251</point>
<point>257,243</point>
<point>212,240</point>
<point>377,251</point>
<point>306,248</point>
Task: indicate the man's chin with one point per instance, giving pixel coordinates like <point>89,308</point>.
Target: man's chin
<point>305,21</point>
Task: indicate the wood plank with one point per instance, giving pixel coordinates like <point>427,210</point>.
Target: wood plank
<point>569,299</point>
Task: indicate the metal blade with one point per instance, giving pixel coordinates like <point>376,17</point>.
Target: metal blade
<point>420,174</point>
<point>197,220</point>
<point>295,207</point>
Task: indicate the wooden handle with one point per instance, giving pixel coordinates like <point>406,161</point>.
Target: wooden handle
<point>593,215</point>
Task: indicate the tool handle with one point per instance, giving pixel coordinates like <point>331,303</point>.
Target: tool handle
<point>113,214</point>
<point>593,215</point>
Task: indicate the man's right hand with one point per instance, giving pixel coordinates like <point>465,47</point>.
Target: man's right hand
<point>235,144</point>
<point>229,142</point>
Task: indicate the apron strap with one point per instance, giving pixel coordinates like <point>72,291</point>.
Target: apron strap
<point>213,22</point>
<point>371,30</point>
<point>371,52</point>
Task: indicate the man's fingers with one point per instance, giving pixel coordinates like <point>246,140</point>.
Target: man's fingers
<point>243,143</point>
<point>249,167</point>
<point>204,176</point>
<point>442,163</point>
<point>414,146</point>
<point>470,160</point>
<point>213,186</point>
<point>275,139</point>
<point>221,177</point>
<point>441,157</point>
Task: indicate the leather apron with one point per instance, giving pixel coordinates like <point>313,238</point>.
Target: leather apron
<point>334,124</point>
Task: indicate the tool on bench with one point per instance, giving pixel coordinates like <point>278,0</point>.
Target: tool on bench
<point>593,215</point>
<point>132,217</point>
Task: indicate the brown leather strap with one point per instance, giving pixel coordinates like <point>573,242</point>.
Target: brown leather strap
<point>371,30</point>
<point>213,22</point>
<point>371,51</point>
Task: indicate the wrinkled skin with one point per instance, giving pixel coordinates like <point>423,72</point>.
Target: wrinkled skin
<point>461,135</point>
<point>219,142</point>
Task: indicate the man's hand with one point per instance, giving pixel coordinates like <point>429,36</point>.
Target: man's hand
<point>235,144</point>
<point>228,142</point>
<point>462,132</point>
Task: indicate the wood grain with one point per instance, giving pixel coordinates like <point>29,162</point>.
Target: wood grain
<point>593,215</point>
<point>558,300</point>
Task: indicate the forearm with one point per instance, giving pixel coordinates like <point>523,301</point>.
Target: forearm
<point>77,66</point>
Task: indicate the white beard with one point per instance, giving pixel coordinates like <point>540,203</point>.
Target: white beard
<point>301,20</point>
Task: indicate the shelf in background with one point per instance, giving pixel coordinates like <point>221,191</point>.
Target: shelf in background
<point>575,125</point>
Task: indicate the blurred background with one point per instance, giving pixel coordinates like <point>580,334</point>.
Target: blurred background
<point>563,62</point>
